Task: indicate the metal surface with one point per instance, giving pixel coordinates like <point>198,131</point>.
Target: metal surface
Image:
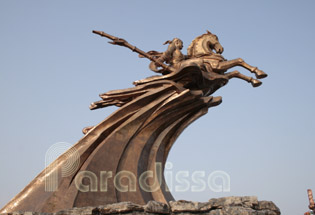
<point>139,135</point>
<point>311,205</point>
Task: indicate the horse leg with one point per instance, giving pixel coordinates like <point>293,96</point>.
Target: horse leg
<point>237,74</point>
<point>225,65</point>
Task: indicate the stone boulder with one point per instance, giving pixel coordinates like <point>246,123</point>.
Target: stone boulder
<point>247,205</point>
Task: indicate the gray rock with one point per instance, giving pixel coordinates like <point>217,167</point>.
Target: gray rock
<point>268,206</point>
<point>237,211</point>
<point>156,207</point>
<point>188,206</point>
<point>121,207</point>
<point>74,211</point>
<point>249,201</point>
<point>215,212</point>
<point>266,212</point>
<point>245,201</point>
<point>247,205</point>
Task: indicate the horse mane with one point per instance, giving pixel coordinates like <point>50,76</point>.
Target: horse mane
<point>168,42</point>
<point>193,43</point>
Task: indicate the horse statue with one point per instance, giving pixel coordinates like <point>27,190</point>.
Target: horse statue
<point>201,56</point>
<point>202,47</point>
<point>123,157</point>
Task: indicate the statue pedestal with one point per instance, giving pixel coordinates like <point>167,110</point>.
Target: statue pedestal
<point>247,205</point>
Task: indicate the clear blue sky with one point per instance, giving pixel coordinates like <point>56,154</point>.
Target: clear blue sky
<point>52,67</point>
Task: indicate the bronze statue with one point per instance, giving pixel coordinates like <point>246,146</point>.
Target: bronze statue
<point>311,205</point>
<point>134,141</point>
<point>172,55</point>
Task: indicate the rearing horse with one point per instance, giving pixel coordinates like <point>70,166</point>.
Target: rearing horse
<point>202,46</point>
<point>201,57</point>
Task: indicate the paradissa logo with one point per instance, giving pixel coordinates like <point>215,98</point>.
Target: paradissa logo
<point>126,181</point>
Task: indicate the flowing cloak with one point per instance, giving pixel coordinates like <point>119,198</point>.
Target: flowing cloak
<point>133,140</point>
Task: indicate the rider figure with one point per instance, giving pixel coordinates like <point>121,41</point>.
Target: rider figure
<point>172,55</point>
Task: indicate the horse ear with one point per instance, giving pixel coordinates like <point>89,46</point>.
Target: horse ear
<point>167,42</point>
<point>209,32</point>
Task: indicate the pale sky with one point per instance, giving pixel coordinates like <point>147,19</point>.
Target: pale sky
<point>52,67</point>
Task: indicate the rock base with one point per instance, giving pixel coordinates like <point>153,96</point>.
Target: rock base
<point>248,205</point>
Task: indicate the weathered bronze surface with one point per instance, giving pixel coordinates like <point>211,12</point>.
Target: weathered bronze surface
<point>139,135</point>
<point>311,205</point>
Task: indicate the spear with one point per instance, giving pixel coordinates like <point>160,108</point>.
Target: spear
<point>123,42</point>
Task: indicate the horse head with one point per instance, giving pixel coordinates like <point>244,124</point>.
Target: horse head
<point>204,44</point>
<point>213,42</point>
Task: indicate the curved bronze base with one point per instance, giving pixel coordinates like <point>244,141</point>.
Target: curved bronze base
<point>135,139</point>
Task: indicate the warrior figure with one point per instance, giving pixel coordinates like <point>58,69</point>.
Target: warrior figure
<point>172,56</point>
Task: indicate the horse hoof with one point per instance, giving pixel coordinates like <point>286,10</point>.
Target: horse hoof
<point>255,83</point>
<point>260,74</point>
